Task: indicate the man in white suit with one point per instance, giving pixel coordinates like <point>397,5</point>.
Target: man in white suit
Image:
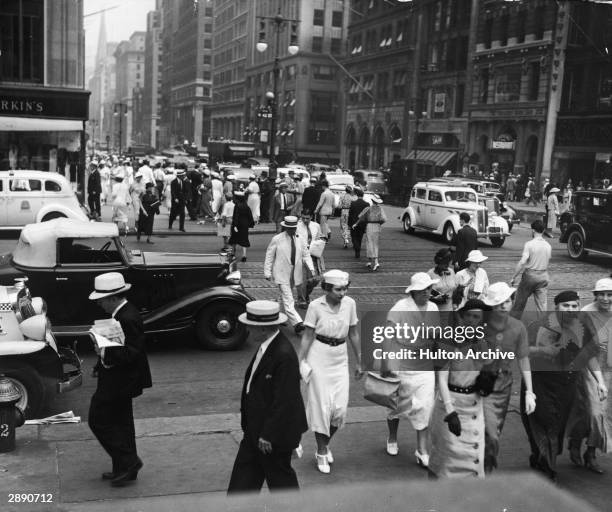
<point>285,257</point>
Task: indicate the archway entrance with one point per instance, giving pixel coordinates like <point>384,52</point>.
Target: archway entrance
<point>364,148</point>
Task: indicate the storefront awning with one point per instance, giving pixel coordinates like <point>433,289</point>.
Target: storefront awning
<point>440,158</point>
<point>30,124</point>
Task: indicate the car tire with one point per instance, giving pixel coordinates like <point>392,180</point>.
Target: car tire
<point>217,326</point>
<point>575,246</point>
<point>448,233</point>
<point>53,215</point>
<point>407,224</point>
<point>497,241</point>
<point>30,384</point>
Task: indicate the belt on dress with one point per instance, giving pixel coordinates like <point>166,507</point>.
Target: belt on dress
<point>466,391</point>
<point>332,342</point>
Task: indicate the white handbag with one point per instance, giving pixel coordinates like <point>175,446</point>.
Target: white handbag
<point>317,247</point>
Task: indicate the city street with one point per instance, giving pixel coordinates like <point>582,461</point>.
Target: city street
<point>198,392</point>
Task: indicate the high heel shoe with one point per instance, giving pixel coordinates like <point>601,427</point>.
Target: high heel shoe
<point>392,448</point>
<point>375,268</point>
<point>322,463</point>
<point>590,463</point>
<point>422,459</point>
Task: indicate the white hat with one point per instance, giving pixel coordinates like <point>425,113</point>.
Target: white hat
<point>336,278</point>
<point>230,177</point>
<point>109,284</point>
<point>240,193</point>
<point>207,172</point>
<point>603,285</point>
<point>498,293</point>
<point>252,176</point>
<point>553,190</point>
<point>139,174</point>
<point>420,281</point>
<point>262,312</point>
<point>214,174</point>
<point>290,221</point>
<point>39,305</point>
<point>180,172</point>
<point>376,199</point>
<point>34,328</point>
<point>476,256</point>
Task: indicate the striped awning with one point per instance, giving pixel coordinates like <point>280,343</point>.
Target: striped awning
<point>440,158</point>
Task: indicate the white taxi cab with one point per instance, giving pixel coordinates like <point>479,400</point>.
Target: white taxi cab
<point>36,196</point>
<point>435,207</point>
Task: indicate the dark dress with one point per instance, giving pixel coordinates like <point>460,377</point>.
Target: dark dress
<point>150,203</point>
<point>241,222</point>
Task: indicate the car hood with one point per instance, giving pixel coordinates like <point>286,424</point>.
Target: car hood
<point>173,259</point>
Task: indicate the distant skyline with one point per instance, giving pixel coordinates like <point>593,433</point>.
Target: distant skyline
<point>129,16</point>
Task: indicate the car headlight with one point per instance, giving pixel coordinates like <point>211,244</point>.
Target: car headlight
<point>234,277</point>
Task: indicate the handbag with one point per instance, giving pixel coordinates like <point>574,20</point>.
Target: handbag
<point>485,382</point>
<point>317,247</point>
<point>382,391</point>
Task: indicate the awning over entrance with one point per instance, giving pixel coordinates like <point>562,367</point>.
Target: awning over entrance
<point>30,124</point>
<point>440,158</point>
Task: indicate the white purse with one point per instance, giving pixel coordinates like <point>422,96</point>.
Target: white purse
<point>317,247</point>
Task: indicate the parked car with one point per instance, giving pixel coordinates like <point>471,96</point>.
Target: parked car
<point>316,169</point>
<point>283,171</point>
<point>30,356</point>
<point>373,181</point>
<point>36,196</point>
<point>174,292</point>
<point>586,226</point>
<point>338,182</point>
<point>436,206</point>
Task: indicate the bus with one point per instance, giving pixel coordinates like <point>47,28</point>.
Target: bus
<point>233,151</point>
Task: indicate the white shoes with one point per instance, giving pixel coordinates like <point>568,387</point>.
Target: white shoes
<point>323,463</point>
<point>330,457</point>
<point>299,451</point>
<point>392,448</point>
<point>422,459</point>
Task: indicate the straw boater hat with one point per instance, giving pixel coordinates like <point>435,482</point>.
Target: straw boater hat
<point>603,285</point>
<point>290,221</point>
<point>476,256</point>
<point>262,313</point>
<point>420,281</point>
<point>553,190</point>
<point>180,172</point>
<point>498,293</point>
<point>109,284</point>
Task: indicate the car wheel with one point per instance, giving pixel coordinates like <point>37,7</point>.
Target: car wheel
<point>497,241</point>
<point>407,224</point>
<point>53,215</point>
<point>30,385</point>
<point>449,233</point>
<point>575,246</point>
<point>218,328</point>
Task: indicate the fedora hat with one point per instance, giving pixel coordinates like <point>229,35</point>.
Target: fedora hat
<point>290,221</point>
<point>476,256</point>
<point>262,312</point>
<point>376,199</point>
<point>603,285</point>
<point>109,284</point>
<point>498,293</point>
<point>420,281</point>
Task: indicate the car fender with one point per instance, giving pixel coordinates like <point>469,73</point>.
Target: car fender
<point>410,212</point>
<point>187,307</point>
<point>453,218</point>
<point>499,222</point>
<point>19,348</point>
<point>574,226</point>
<point>72,213</point>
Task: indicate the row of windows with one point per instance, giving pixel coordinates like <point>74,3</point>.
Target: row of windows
<point>238,51</point>
<point>319,18</point>
<point>504,27</point>
<point>382,86</point>
<point>385,38</point>
<point>229,76</point>
<point>507,84</point>
<point>449,14</point>
<point>335,45</point>
<point>448,55</point>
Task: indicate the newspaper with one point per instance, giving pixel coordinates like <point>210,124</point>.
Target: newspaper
<point>108,333</point>
<point>65,417</point>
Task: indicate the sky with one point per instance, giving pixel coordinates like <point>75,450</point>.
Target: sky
<point>128,16</point>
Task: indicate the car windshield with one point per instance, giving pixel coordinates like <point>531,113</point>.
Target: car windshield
<point>495,187</point>
<point>373,176</point>
<point>461,195</point>
<point>340,179</point>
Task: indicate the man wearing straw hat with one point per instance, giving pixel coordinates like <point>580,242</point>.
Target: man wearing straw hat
<point>273,417</point>
<point>123,373</point>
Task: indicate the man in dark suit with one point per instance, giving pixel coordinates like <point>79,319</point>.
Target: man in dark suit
<point>94,189</point>
<point>310,197</point>
<point>273,418</point>
<point>357,230</point>
<point>266,188</point>
<point>123,372</point>
<point>466,241</point>
<point>179,192</point>
<point>281,205</point>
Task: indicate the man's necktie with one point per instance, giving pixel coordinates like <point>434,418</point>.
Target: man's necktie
<point>293,251</point>
<point>283,202</point>
<point>309,235</point>
<point>255,365</point>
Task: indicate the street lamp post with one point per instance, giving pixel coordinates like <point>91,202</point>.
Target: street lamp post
<point>278,22</point>
<point>120,109</point>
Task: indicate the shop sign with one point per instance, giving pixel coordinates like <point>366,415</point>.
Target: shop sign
<point>437,140</point>
<point>503,141</point>
<point>440,102</point>
<point>44,103</point>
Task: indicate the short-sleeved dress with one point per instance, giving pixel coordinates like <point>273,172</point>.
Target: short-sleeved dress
<point>228,213</point>
<point>328,388</point>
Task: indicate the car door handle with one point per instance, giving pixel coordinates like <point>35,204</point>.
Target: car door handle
<point>61,279</point>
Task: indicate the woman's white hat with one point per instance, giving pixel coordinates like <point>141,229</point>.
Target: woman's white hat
<point>262,312</point>
<point>476,256</point>
<point>553,190</point>
<point>109,284</point>
<point>603,285</point>
<point>336,278</point>
<point>206,172</point>
<point>376,199</point>
<point>252,176</point>
<point>419,281</point>
<point>214,174</point>
<point>139,174</point>
<point>230,177</point>
<point>498,293</point>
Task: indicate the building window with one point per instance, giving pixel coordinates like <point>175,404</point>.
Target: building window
<point>317,45</point>
<point>503,30</point>
<point>322,72</point>
<point>534,81</point>
<point>319,17</point>
<point>337,18</point>
<point>400,79</point>
<point>322,123</point>
<point>437,20</point>
<point>484,86</point>
<point>521,22</point>
<point>208,43</point>
<point>291,71</point>
<point>488,33</point>
<point>207,59</point>
<point>459,99</point>
<point>208,12</point>
<point>382,88</point>
<point>507,84</point>
<point>208,28</point>
<point>336,46</point>
<point>21,40</point>
<point>539,23</point>
<point>206,75</point>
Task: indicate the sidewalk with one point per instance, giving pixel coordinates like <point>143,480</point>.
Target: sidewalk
<point>160,226</point>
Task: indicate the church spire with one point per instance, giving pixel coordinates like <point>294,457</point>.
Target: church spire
<point>101,51</point>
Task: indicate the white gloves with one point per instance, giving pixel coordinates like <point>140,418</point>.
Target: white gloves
<point>530,402</point>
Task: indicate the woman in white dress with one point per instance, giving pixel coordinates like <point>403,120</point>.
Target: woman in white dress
<point>120,200</point>
<point>137,189</point>
<point>330,319</point>
<point>254,199</point>
<point>217,193</point>
<point>552,204</point>
<point>472,280</point>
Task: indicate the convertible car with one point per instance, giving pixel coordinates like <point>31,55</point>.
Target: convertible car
<point>174,292</point>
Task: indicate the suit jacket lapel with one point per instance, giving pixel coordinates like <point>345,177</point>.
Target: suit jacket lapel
<point>266,359</point>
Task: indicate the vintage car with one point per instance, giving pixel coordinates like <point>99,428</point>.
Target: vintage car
<point>373,181</point>
<point>30,356</point>
<point>36,196</point>
<point>586,226</point>
<point>436,206</point>
<point>174,292</point>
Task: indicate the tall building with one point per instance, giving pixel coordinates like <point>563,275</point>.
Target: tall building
<point>43,101</point>
<point>128,108</point>
<point>308,100</point>
<point>152,78</point>
<point>186,72</point>
<point>229,68</point>
<point>512,75</point>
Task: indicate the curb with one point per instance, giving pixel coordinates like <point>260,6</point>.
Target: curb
<point>202,233</point>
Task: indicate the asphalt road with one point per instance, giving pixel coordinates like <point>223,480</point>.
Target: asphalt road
<point>188,381</point>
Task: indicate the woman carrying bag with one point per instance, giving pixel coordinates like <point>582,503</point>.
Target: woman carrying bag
<point>374,217</point>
